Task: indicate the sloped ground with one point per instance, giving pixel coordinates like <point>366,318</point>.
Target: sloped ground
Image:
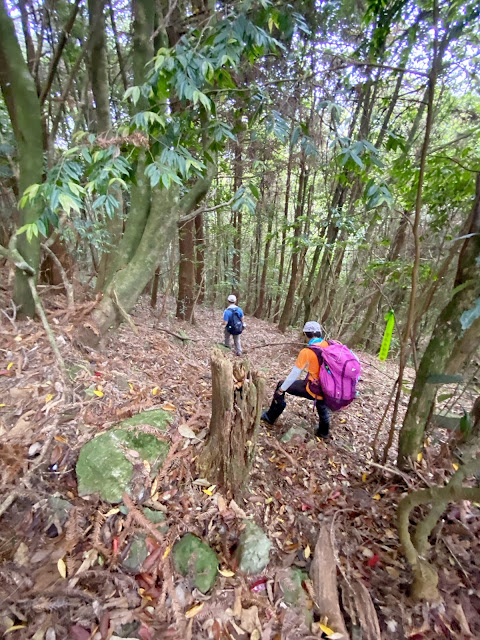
<point>68,580</point>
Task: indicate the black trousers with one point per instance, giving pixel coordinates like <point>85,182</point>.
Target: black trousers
<point>299,389</point>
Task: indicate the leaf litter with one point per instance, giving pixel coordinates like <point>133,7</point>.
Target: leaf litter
<point>68,577</point>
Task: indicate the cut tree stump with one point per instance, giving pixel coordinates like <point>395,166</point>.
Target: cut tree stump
<point>237,395</point>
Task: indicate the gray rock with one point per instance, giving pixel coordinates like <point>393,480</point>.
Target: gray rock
<point>290,582</point>
<point>136,555</point>
<point>253,552</point>
<point>196,560</point>
<point>292,432</point>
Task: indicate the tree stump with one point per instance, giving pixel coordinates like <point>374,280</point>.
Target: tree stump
<point>237,395</point>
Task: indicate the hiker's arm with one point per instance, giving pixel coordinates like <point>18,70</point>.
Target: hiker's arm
<point>290,379</point>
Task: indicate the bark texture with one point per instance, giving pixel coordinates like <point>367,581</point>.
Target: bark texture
<point>20,94</point>
<point>237,395</point>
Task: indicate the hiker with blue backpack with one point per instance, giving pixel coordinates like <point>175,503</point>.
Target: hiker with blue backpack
<point>234,325</point>
<point>332,376</point>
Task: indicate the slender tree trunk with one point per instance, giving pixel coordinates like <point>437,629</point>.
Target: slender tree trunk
<point>284,230</point>
<point>21,98</point>
<point>289,301</point>
<point>200,258</point>
<point>237,218</point>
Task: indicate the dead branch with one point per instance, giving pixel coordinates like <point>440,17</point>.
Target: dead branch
<point>275,443</point>
<point>123,313</point>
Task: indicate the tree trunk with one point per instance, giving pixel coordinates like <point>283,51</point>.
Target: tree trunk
<point>260,310</point>
<point>237,220</point>
<point>186,274</point>
<point>284,231</point>
<point>21,99</point>
<point>200,258</point>
<point>229,451</point>
<point>455,337</point>
<point>290,299</point>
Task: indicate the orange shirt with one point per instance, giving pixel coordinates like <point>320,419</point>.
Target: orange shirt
<point>307,357</point>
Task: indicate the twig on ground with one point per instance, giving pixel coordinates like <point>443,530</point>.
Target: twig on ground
<point>275,443</point>
<point>277,344</point>
<point>175,335</point>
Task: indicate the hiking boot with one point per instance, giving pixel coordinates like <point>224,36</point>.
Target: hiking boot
<point>264,417</point>
<point>322,432</point>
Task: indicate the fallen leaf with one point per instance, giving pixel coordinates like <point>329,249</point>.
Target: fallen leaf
<point>185,430</point>
<point>9,366</point>
<point>166,552</point>
<point>226,573</point>
<point>268,500</point>
<point>455,466</point>
<point>419,456</point>
<point>98,393</point>
<point>15,628</point>
<point>48,397</point>
<point>2,405</point>
<point>307,553</point>
<point>377,496</point>
<point>373,561</point>
<point>155,390</point>
<point>364,476</point>
<point>62,568</point>
<point>326,630</point>
<point>61,439</point>
<point>208,492</point>
<point>168,406</point>
<point>191,613</point>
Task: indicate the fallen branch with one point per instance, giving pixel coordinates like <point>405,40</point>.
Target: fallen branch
<point>175,335</point>
<point>275,443</point>
<point>123,313</point>
<point>50,335</point>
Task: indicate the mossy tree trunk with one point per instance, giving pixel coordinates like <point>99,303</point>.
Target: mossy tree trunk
<point>237,395</point>
<point>455,337</point>
<point>21,98</point>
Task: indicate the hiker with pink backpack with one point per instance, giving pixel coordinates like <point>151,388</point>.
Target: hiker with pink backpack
<point>333,372</point>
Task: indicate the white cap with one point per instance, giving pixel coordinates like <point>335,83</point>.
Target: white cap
<point>312,327</point>
<point>232,298</point>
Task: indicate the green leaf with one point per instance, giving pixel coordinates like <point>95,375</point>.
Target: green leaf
<point>254,190</point>
<point>134,93</point>
<point>465,424</point>
<point>444,396</point>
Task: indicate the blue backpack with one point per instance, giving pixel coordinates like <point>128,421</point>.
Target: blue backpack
<point>235,324</point>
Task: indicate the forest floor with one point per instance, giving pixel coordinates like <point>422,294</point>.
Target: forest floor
<point>67,581</point>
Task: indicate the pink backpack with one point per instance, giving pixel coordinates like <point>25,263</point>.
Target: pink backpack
<point>340,370</point>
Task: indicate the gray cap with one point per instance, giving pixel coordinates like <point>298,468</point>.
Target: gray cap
<point>312,327</point>
<point>232,298</point>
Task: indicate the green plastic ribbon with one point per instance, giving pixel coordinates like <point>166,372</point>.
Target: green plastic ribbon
<point>387,336</point>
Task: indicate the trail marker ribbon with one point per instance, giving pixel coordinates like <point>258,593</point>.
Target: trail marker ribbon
<point>387,336</point>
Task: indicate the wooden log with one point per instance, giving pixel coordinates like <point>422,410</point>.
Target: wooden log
<point>237,395</point>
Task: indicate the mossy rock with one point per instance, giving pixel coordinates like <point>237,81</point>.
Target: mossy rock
<point>290,581</point>
<point>103,468</point>
<point>156,517</point>
<point>158,418</point>
<point>195,559</point>
<point>253,551</point>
